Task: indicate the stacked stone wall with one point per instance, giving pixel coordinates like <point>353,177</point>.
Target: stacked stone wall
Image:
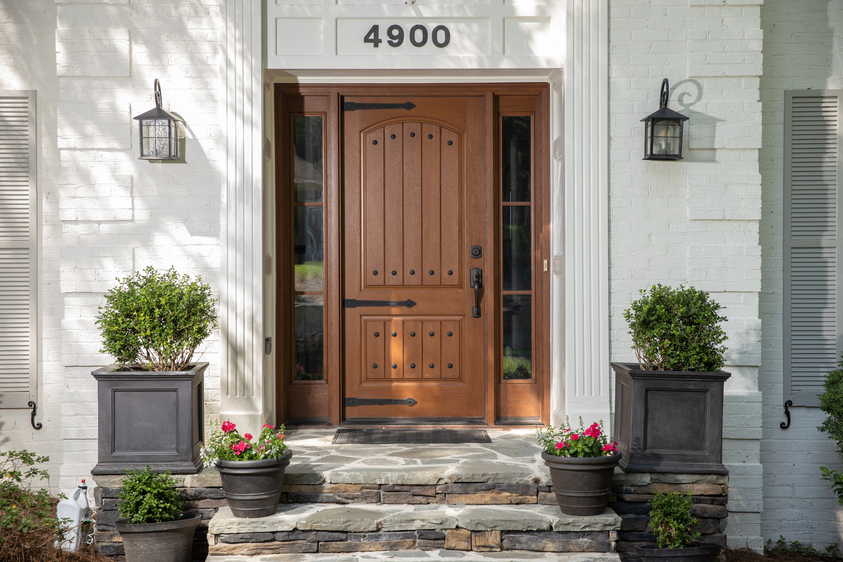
<point>632,493</point>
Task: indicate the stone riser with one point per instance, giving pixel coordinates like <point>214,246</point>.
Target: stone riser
<point>448,494</point>
<point>452,539</point>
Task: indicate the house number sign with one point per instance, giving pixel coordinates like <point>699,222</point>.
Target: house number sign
<point>418,36</point>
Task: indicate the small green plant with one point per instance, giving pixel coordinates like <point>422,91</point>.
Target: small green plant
<point>831,402</point>
<point>671,520</point>
<point>27,516</point>
<point>836,480</point>
<point>154,321</point>
<point>583,442</point>
<point>149,497</point>
<point>782,547</point>
<point>676,330</point>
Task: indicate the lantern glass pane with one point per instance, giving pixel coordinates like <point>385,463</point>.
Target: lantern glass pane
<point>667,138</point>
<point>148,147</point>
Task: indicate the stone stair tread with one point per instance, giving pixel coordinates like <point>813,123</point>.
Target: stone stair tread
<point>425,556</point>
<point>382,518</point>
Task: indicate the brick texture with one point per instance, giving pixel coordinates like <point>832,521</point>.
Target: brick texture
<point>694,222</point>
<point>801,51</point>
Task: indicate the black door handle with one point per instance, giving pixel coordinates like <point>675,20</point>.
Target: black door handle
<point>476,276</point>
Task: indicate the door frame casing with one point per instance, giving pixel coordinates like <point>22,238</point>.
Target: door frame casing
<point>288,99</point>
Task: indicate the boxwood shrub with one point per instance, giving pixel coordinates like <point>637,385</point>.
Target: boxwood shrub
<point>676,330</point>
<point>154,321</point>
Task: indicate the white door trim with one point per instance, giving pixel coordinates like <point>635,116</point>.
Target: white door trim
<point>580,289</point>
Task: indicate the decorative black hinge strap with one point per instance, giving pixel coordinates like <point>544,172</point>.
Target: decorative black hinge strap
<point>354,303</point>
<point>351,402</point>
<point>34,407</point>
<point>354,106</point>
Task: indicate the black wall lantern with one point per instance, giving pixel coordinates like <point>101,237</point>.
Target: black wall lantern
<point>663,131</point>
<point>159,132</point>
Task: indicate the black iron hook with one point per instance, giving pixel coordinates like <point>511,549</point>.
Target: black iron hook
<point>32,405</point>
<point>665,94</point>
<point>785,425</point>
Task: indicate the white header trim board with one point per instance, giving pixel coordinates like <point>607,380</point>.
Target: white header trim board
<point>363,35</point>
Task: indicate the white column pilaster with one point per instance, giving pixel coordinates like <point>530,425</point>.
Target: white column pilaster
<point>586,217</point>
<point>242,384</point>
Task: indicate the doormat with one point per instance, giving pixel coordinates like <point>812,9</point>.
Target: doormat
<point>408,436</point>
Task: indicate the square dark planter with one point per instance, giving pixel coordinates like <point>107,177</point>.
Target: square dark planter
<point>669,421</point>
<point>150,418</point>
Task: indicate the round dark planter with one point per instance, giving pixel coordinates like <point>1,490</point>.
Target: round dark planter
<point>170,541</point>
<point>253,488</point>
<point>702,553</point>
<point>582,485</point>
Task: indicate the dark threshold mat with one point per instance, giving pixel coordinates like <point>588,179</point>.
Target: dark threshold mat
<point>408,436</point>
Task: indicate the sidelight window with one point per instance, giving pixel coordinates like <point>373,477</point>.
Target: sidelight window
<point>308,251</point>
<point>516,247</point>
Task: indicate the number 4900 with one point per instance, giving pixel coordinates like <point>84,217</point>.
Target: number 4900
<point>440,36</point>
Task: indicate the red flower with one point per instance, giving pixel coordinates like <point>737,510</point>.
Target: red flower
<point>227,426</point>
<point>270,426</point>
<point>575,436</point>
<point>248,436</point>
<point>280,436</point>
<point>560,445</point>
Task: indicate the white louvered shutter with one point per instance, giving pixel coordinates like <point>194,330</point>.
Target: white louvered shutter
<point>812,244</point>
<point>18,265</point>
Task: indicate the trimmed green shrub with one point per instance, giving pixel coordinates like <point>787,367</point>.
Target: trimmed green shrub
<point>671,520</point>
<point>676,330</point>
<point>831,402</point>
<point>149,497</point>
<point>154,321</point>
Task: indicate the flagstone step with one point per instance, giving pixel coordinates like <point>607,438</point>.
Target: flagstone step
<point>427,556</point>
<point>326,528</point>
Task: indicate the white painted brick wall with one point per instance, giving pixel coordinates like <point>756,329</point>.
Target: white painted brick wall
<point>104,213</point>
<point>28,62</point>
<point>694,222</point>
<point>120,214</point>
<point>801,50</point>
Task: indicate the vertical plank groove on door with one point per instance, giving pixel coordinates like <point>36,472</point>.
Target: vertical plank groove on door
<point>413,241</point>
<point>431,350</point>
<point>451,349</point>
<point>452,245</point>
<point>393,205</point>
<point>413,366</point>
<point>431,204</point>
<point>373,223</point>
<point>374,350</point>
<point>396,349</point>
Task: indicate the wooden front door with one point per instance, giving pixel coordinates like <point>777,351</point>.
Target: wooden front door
<point>413,184</point>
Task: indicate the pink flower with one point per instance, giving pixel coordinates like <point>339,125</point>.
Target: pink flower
<point>575,436</point>
<point>269,425</point>
<point>560,445</point>
<point>593,430</point>
<point>280,435</point>
<point>237,453</point>
<point>227,426</point>
<point>607,447</point>
<point>248,436</point>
